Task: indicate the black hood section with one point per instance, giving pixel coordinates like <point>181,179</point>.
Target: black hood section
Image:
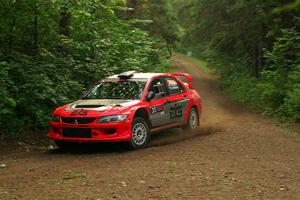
<point>88,106</point>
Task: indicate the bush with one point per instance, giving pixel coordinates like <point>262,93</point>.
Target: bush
<point>290,109</point>
<point>50,62</point>
<point>277,90</point>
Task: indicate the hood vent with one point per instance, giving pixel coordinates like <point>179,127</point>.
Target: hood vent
<point>88,106</point>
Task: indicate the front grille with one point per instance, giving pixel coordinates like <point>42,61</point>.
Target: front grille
<point>73,120</point>
<point>77,132</point>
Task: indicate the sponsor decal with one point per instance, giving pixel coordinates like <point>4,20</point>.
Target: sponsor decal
<point>81,112</point>
<point>176,111</point>
<point>157,109</point>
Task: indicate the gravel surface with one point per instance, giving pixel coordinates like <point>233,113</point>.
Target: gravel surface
<point>235,154</point>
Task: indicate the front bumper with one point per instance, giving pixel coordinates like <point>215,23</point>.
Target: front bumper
<point>111,132</point>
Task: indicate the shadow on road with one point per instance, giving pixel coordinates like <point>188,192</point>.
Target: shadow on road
<point>93,148</point>
<point>166,137</point>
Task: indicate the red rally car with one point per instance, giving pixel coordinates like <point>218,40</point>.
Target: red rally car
<point>128,107</point>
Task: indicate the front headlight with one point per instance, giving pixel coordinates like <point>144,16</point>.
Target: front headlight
<point>55,118</point>
<point>112,118</point>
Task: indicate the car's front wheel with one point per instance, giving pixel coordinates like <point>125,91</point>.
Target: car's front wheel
<point>140,133</point>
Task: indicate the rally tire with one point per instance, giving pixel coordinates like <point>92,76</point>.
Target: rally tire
<point>193,120</point>
<point>140,133</point>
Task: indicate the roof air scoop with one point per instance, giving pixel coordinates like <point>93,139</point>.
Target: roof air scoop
<point>126,75</point>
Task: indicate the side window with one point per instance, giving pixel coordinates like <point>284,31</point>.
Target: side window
<point>173,86</point>
<point>158,88</point>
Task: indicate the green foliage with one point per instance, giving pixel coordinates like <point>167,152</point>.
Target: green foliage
<point>277,90</point>
<point>50,51</point>
<point>289,6</point>
<point>157,17</point>
<point>279,82</point>
<point>253,45</point>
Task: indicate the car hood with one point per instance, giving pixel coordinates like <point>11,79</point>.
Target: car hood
<point>97,107</point>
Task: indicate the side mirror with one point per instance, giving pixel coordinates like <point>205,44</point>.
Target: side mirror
<point>150,96</point>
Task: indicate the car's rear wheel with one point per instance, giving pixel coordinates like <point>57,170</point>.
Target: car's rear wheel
<point>140,133</point>
<point>193,120</point>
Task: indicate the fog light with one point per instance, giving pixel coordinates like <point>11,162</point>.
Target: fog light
<point>110,131</point>
<point>96,133</point>
<point>55,129</point>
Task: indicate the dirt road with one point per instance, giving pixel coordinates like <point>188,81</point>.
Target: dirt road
<point>236,154</point>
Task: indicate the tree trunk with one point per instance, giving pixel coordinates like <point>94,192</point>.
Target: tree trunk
<point>258,59</point>
<point>35,30</point>
<point>10,36</point>
<point>64,22</point>
<point>11,28</point>
<point>131,4</point>
<point>169,50</point>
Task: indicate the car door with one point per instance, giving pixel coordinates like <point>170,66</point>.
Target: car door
<point>177,99</point>
<point>159,113</point>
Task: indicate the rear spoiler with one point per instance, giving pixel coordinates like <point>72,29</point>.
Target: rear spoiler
<point>188,77</point>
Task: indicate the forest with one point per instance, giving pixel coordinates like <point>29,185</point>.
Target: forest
<point>253,45</point>
<point>51,51</point>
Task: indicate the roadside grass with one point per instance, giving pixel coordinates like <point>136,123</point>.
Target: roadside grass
<point>164,68</point>
<point>204,66</point>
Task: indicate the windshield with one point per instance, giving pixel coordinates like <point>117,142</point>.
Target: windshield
<point>117,90</point>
